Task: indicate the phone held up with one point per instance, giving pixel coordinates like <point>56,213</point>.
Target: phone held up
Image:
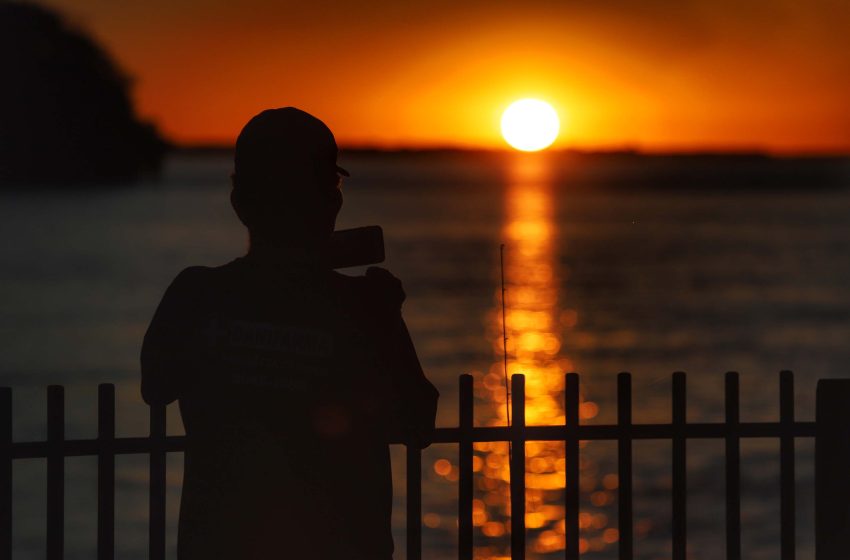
<point>357,247</point>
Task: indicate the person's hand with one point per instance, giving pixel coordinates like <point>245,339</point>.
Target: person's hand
<point>387,287</point>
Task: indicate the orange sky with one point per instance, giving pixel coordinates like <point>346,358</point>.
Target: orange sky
<point>652,74</point>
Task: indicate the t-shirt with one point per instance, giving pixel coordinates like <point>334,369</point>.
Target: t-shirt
<point>291,381</point>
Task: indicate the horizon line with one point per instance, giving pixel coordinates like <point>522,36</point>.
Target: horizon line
<point>614,150</point>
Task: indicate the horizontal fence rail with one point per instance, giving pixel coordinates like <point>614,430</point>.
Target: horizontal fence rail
<point>831,431</point>
<point>130,445</point>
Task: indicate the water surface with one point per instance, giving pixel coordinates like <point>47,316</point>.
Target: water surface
<point>599,280</point>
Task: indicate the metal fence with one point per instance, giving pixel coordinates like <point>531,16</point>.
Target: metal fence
<point>831,431</point>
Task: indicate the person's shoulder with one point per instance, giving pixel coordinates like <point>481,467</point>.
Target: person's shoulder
<point>198,273</point>
<point>377,287</point>
<point>192,275</point>
<point>382,282</point>
<point>193,280</point>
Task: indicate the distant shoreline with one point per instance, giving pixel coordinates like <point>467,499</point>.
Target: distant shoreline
<point>626,153</point>
<point>621,169</point>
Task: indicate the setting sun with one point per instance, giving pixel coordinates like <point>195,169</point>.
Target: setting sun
<point>530,125</point>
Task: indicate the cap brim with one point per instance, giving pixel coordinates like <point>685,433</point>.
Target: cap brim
<point>342,171</point>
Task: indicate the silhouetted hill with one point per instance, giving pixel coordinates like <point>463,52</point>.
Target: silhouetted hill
<point>65,109</point>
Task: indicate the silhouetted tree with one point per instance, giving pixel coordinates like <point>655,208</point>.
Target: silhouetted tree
<point>65,109</point>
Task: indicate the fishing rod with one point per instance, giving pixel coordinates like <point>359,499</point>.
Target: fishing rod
<point>505,349</point>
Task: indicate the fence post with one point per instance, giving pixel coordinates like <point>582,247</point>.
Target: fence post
<point>571,456</point>
<point>680,467</point>
<point>733,467</point>
<point>156,520</point>
<point>106,472</point>
<point>464,540</point>
<point>414,502</point>
<point>832,470</point>
<point>624,465</point>
<point>787,476</point>
<point>517,462</point>
<point>5,472</point>
<point>55,472</point>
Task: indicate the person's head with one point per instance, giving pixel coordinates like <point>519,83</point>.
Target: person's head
<point>286,183</point>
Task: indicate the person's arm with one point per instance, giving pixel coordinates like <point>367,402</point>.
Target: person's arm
<point>169,350</point>
<point>416,404</point>
<point>419,396</point>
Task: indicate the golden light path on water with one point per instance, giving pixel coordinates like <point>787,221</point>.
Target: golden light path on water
<point>534,325</point>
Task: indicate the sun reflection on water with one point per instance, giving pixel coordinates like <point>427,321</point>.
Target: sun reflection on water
<point>534,324</point>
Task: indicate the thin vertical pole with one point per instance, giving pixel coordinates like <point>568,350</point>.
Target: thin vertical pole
<point>414,503</point>
<point>5,472</point>
<point>465,465</point>
<point>156,528</point>
<point>832,465</point>
<point>733,468</point>
<point>680,483</point>
<point>624,461</point>
<point>518,468</point>
<point>106,472</point>
<point>55,472</point>
<point>786,466</point>
<point>571,458</point>
<point>505,339</point>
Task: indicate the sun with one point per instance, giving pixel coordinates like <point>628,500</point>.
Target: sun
<point>530,125</point>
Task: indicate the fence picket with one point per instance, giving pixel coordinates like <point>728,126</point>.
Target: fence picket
<point>414,503</point>
<point>518,467</point>
<point>465,414</point>
<point>788,506</point>
<point>156,527</point>
<point>55,472</point>
<point>5,472</point>
<point>832,462</point>
<point>680,472</point>
<point>106,472</point>
<point>571,458</point>
<point>624,462</point>
<point>733,468</point>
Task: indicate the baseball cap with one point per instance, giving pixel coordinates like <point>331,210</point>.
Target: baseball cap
<point>277,144</point>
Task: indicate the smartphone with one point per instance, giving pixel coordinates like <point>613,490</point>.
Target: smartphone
<point>357,247</point>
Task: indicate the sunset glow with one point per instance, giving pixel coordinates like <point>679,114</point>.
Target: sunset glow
<point>530,125</point>
<point>665,76</point>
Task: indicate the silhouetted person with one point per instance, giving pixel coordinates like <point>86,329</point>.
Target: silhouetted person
<point>291,377</point>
